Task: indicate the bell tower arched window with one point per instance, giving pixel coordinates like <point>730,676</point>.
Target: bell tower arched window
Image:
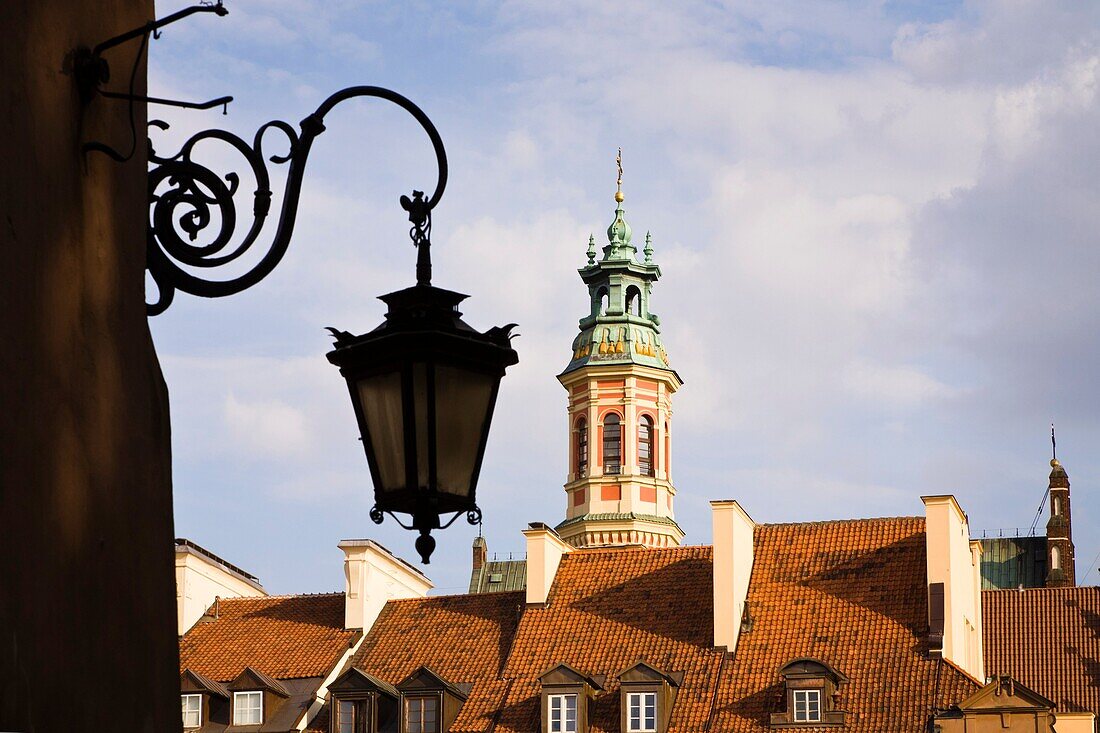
<point>1055,558</point>
<point>582,448</point>
<point>645,445</point>
<point>634,300</point>
<point>612,445</point>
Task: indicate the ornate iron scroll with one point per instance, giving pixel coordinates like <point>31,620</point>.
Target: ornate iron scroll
<point>186,198</point>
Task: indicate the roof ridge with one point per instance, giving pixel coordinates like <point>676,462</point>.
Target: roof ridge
<point>230,599</point>
<point>457,595</point>
<point>841,521</point>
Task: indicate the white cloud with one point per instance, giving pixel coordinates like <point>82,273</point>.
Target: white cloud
<point>270,429</point>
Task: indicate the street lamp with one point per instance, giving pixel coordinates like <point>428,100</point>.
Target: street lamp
<point>423,384</point>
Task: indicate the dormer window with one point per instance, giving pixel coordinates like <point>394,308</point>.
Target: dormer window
<point>256,697</point>
<point>566,695</point>
<point>810,692</point>
<point>363,704</point>
<point>203,701</point>
<point>562,713</point>
<point>192,711</point>
<point>641,712</point>
<point>807,706</point>
<point>648,695</point>
<point>422,714</point>
<point>248,708</point>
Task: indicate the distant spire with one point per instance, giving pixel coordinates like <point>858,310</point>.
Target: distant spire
<point>619,180</point>
<point>1053,447</point>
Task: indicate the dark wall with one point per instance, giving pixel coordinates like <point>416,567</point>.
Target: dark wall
<point>87,606</point>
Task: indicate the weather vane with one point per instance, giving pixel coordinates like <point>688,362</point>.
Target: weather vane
<point>619,180</point>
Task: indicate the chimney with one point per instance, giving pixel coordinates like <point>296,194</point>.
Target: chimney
<point>545,550</point>
<point>374,575</point>
<point>733,554</point>
<point>481,553</point>
<point>954,586</point>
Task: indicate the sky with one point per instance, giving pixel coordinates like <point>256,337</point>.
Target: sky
<point>876,224</point>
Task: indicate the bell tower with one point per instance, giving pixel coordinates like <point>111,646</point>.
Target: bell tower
<point>619,382</point>
<point>1060,565</point>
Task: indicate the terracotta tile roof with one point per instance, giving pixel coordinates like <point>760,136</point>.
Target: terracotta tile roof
<point>850,593</point>
<point>1049,640</point>
<point>608,609</point>
<point>463,639</point>
<point>284,637</point>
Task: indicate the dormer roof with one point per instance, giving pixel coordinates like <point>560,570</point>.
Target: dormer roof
<point>253,679</point>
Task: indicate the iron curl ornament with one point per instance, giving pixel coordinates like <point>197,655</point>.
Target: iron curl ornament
<point>193,212</point>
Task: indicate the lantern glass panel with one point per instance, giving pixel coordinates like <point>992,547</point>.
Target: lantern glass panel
<point>421,395</point>
<point>462,401</point>
<point>380,397</point>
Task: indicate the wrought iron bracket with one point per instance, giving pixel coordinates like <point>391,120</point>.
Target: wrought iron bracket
<point>91,71</point>
<point>193,213</point>
<point>425,522</point>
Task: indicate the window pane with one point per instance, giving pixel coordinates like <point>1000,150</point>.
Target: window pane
<point>345,716</point>
<point>192,711</point>
<point>645,446</point>
<point>642,711</point>
<point>247,708</point>
<point>582,447</point>
<point>612,444</point>
<point>807,705</point>
<point>563,713</point>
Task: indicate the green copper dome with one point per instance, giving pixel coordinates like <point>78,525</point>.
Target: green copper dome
<point>619,328</point>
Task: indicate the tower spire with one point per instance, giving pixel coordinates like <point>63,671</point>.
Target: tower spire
<point>619,484</point>
<point>619,181</point>
<point>1060,555</point>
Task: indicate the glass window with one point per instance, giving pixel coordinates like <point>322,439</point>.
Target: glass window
<point>612,445</point>
<point>807,706</point>
<point>352,716</point>
<point>563,713</point>
<point>248,708</point>
<point>192,711</point>
<point>641,711</point>
<point>582,447</point>
<point>645,446</point>
<point>422,715</point>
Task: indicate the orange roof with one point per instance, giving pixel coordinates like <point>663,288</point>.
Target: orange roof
<point>850,593</point>
<point>284,637</point>
<point>463,639</point>
<point>1049,640</point>
<point>853,594</point>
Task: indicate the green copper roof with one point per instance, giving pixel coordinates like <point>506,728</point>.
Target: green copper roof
<point>617,516</point>
<point>619,328</point>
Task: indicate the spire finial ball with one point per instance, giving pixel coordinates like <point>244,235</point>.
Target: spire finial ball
<point>619,196</point>
<point>1054,463</point>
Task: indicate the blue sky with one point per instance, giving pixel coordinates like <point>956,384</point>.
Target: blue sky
<point>876,224</point>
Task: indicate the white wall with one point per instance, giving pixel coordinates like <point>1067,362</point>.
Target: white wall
<point>733,558</point>
<point>374,575</point>
<point>955,561</point>
<point>544,553</point>
<point>200,579</point>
